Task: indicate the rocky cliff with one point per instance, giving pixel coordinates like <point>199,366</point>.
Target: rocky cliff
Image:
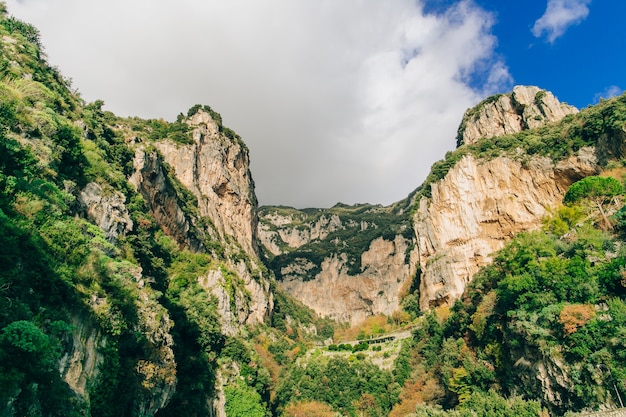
<point>515,161</point>
<point>215,170</point>
<point>477,207</point>
<point>526,107</point>
<point>346,263</point>
<point>502,180</point>
<point>129,254</point>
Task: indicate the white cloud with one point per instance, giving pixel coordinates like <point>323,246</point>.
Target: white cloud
<point>611,91</point>
<point>559,16</point>
<point>347,101</point>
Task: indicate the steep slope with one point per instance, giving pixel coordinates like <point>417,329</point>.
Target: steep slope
<point>128,270</point>
<point>486,192</point>
<point>526,107</point>
<point>544,320</point>
<point>477,207</point>
<point>214,169</point>
<point>492,187</point>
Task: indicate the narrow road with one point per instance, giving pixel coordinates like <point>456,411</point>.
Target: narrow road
<point>404,334</point>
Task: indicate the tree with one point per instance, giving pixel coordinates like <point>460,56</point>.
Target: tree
<point>243,401</point>
<point>309,409</point>
<point>599,190</point>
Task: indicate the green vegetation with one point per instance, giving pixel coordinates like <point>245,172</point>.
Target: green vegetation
<point>242,401</point>
<point>540,329</point>
<point>485,405</point>
<point>353,230</point>
<point>598,125</point>
<point>363,387</point>
<point>552,298</point>
<point>63,283</point>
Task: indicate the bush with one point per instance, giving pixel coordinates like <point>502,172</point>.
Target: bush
<point>243,401</point>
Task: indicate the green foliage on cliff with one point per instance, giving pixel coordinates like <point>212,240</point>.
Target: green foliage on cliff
<point>349,387</point>
<point>351,230</point>
<point>544,321</point>
<point>130,300</point>
<point>600,125</point>
<point>242,401</point>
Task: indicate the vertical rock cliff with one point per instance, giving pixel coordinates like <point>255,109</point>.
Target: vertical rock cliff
<point>493,187</point>
<point>215,169</point>
<point>482,202</point>
<point>477,207</point>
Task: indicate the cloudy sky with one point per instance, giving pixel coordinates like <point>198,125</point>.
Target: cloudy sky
<point>339,101</point>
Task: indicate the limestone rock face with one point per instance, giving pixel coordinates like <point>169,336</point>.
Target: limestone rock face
<point>80,360</point>
<point>526,107</point>
<point>215,168</point>
<point>277,228</point>
<point>351,298</point>
<point>152,182</point>
<point>107,210</point>
<point>346,263</point>
<point>477,207</point>
<point>83,349</point>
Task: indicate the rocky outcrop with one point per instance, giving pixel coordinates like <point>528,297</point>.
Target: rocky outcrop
<point>81,357</point>
<point>526,107</point>
<point>276,231</point>
<point>477,207</point>
<point>202,194</point>
<point>346,263</point>
<point>107,210</point>
<point>471,213</point>
<point>336,294</point>
<point>241,299</point>
<point>215,168</point>
<point>84,348</point>
<point>150,179</point>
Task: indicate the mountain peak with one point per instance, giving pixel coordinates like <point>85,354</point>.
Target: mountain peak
<point>526,107</point>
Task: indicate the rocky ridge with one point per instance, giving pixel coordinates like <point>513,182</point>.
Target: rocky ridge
<point>470,213</point>
<point>346,263</point>
<point>477,207</point>
<point>526,107</point>
<point>215,169</point>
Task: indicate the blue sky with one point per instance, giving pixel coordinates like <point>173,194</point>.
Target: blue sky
<point>344,101</point>
<point>587,60</point>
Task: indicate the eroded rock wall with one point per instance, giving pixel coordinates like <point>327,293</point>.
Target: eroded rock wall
<point>314,258</point>
<point>334,293</point>
<point>477,207</point>
<point>216,169</point>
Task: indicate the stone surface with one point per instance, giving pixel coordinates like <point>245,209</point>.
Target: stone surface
<point>151,181</point>
<point>331,286</point>
<point>107,210</point>
<point>215,168</point>
<point>526,107</point>
<point>477,207</point>
<point>351,298</point>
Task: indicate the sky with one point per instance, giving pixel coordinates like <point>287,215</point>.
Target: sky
<point>345,101</point>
